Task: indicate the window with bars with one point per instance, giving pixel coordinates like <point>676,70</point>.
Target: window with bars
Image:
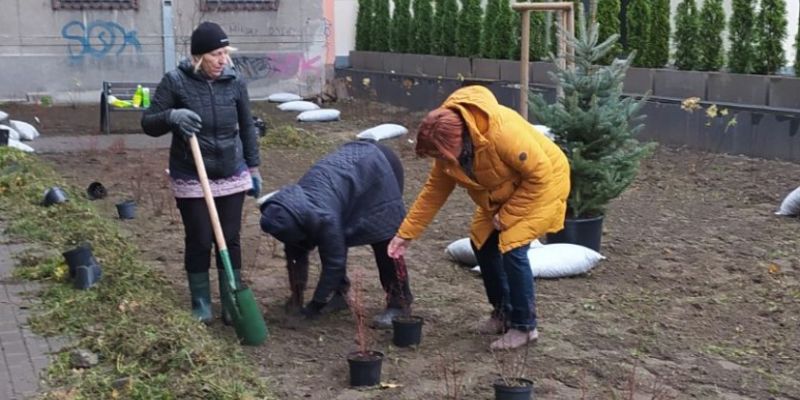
<point>95,4</point>
<point>233,5</point>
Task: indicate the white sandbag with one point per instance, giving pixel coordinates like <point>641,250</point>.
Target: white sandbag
<point>298,106</point>
<point>323,115</point>
<point>560,260</point>
<point>283,97</point>
<point>20,146</point>
<point>461,252</point>
<point>3,116</point>
<point>545,130</point>
<point>383,132</point>
<point>791,204</point>
<point>26,130</point>
<point>12,133</point>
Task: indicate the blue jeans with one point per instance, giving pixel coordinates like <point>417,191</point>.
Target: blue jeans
<point>509,283</point>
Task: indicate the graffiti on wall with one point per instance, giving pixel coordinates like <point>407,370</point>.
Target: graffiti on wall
<point>277,65</point>
<point>97,39</point>
<point>312,27</point>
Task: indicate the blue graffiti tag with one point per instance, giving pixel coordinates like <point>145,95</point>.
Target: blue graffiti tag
<point>97,38</point>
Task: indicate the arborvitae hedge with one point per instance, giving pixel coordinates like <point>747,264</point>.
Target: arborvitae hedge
<point>489,18</point>
<point>422,28</point>
<point>381,27</point>
<point>658,49</point>
<point>797,50</point>
<point>508,43</point>
<point>712,23</point>
<point>771,28</point>
<point>364,25</point>
<point>741,35</point>
<point>538,36</point>
<point>638,21</point>
<point>608,21</point>
<point>469,29</point>
<point>401,27</point>
<point>449,25</point>
<point>436,30</point>
<point>687,26</point>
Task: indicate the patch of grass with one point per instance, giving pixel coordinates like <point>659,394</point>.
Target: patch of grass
<point>148,344</point>
<point>289,136</point>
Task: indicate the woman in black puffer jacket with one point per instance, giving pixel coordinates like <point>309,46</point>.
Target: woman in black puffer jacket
<point>352,197</point>
<point>205,98</point>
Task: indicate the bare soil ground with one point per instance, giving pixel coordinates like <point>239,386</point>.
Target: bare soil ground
<point>699,296</point>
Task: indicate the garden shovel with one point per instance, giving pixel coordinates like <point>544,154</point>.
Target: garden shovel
<point>241,306</point>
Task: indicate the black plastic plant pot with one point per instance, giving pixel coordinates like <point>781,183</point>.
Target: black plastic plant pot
<point>407,330</point>
<point>81,255</point>
<point>365,368</point>
<point>513,389</point>
<point>54,195</point>
<point>126,209</point>
<point>585,232</point>
<point>4,136</point>
<point>86,276</point>
<point>96,191</point>
<point>260,125</point>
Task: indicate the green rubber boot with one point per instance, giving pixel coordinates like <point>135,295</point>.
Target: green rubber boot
<point>200,293</point>
<point>224,289</point>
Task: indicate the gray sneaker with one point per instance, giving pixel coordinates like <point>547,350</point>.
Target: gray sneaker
<point>384,319</point>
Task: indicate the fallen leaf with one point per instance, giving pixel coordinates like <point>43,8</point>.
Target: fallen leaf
<point>390,385</point>
<point>774,269</point>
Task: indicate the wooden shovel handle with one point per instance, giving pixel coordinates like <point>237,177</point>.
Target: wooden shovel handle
<point>212,207</point>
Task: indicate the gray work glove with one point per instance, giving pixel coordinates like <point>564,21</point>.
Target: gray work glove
<point>185,122</point>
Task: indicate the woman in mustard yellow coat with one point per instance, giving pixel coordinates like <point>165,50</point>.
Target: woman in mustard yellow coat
<point>518,179</point>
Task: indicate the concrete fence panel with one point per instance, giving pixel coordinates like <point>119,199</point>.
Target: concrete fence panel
<point>679,84</point>
<point>737,88</point>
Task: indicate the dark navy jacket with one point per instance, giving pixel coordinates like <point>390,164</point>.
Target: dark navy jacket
<point>349,198</point>
<point>228,138</point>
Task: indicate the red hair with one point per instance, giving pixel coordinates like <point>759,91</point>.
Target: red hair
<point>440,134</point>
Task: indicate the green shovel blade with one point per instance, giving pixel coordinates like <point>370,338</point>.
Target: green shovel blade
<point>248,322</point>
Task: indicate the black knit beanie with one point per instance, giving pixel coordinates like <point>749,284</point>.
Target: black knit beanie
<point>208,37</point>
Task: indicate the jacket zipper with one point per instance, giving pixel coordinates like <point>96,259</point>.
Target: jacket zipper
<point>213,115</point>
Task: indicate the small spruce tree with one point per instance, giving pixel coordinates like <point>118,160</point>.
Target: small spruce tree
<point>741,35</point>
<point>771,32</point>
<point>469,29</point>
<point>401,27</point>
<point>658,49</point>
<point>638,21</point>
<point>712,23</point>
<point>608,21</point>
<point>595,125</point>
<point>687,27</point>
<point>364,25</point>
<point>381,27</point>
<point>449,26</point>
